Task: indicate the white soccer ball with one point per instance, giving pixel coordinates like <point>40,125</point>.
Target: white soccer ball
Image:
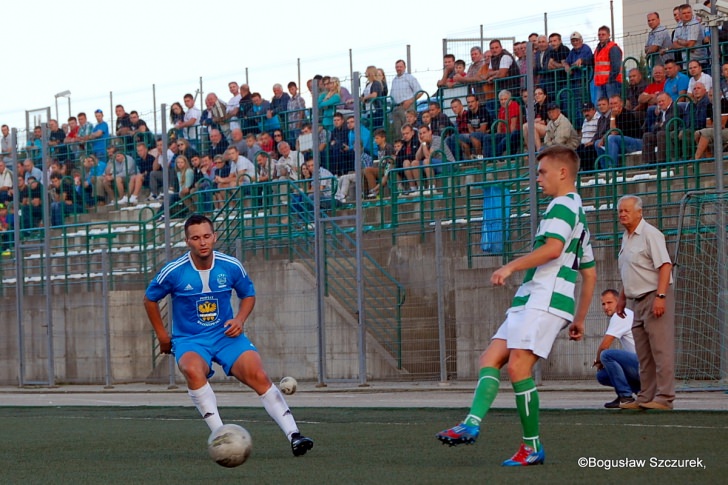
<point>230,445</point>
<point>288,385</point>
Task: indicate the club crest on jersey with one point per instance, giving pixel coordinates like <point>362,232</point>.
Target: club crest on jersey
<point>208,311</point>
<point>221,280</point>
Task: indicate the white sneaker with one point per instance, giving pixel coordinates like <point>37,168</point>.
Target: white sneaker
<point>124,200</point>
<point>133,199</point>
<point>152,197</point>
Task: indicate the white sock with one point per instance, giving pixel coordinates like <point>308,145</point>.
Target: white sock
<point>206,403</point>
<point>277,408</point>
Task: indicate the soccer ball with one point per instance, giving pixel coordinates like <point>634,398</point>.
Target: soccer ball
<point>288,385</point>
<point>229,445</point>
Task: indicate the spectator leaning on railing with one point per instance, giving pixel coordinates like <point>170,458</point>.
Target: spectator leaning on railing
<point>99,135</point>
<point>607,66</point>
<point>689,34</point>
<point>659,41</point>
<point>578,65</point>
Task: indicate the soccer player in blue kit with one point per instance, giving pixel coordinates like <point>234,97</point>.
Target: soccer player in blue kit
<point>205,330</point>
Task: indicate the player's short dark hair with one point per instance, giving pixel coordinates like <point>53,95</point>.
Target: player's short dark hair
<point>610,291</point>
<point>196,219</point>
<point>380,132</point>
<point>562,153</point>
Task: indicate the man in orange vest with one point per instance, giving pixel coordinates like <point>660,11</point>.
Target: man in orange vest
<point>607,66</point>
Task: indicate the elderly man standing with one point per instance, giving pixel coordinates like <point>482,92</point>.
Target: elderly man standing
<point>405,91</point>
<point>646,271</point>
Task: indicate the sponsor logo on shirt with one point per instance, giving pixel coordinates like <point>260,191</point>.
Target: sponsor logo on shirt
<point>207,311</point>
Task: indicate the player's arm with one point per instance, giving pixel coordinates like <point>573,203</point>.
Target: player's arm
<point>588,282</point>
<point>551,250</point>
<point>663,283</point>
<point>235,326</point>
<point>621,304</point>
<point>606,343</point>
<point>155,317</point>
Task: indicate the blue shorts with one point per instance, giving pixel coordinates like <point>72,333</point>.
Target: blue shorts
<point>218,348</point>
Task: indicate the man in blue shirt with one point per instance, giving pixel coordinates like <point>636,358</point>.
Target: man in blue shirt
<point>578,65</point>
<point>99,136</point>
<point>676,83</point>
<point>201,283</point>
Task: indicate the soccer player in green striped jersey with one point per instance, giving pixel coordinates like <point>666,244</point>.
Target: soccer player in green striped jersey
<point>543,305</point>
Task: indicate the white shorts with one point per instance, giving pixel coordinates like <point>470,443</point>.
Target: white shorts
<point>531,329</point>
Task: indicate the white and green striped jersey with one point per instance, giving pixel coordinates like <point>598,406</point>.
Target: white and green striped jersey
<point>550,287</point>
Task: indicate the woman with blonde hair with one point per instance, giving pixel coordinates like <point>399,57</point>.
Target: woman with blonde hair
<point>373,105</point>
<point>328,100</point>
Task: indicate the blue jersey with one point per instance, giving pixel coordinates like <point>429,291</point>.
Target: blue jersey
<point>201,299</point>
<point>99,144</point>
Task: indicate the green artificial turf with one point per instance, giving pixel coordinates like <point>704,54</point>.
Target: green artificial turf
<point>135,445</point>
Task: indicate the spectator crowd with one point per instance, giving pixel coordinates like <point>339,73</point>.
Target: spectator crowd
<point>585,99</point>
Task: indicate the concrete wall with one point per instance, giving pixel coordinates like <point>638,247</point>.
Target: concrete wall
<point>283,327</point>
<point>284,323</point>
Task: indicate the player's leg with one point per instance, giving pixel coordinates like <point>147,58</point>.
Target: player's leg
<point>520,365</point>
<point>491,361</point>
<point>531,335</point>
<point>195,370</point>
<point>248,369</point>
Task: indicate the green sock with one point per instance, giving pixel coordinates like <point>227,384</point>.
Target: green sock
<point>527,404</point>
<point>485,393</point>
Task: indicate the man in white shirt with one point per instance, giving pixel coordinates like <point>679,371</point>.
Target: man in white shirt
<point>191,122</point>
<point>617,368</point>
<point>589,127</point>
<point>698,76</point>
<point>289,164</point>
<point>244,168</point>
<point>405,90</point>
<point>233,106</point>
<point>6,182</point>
<point>5,147</point>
